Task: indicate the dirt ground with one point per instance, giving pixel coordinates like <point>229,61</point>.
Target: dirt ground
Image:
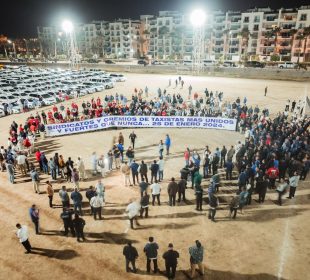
<point>266,242</point>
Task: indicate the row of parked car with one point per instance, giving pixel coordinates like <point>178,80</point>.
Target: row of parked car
<point>22,86</point>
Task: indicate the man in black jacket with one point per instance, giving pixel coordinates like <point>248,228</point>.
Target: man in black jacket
<point>66,216</point>
<point>132,138</point>
<point>171,261</point>
<point>229,166</point>
<point>143,171</point>
<point>223,156</point>
<point>131,255</point>
<point>79,224</point>
<point>150,250</point>
<point>154,171</point>
<point>89,194</point>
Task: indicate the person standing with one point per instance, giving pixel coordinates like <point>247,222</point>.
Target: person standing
<point>293,184</point>
<point>154,171</point>
<point>167,144</point>
<point>190,88</point>
<point>155,189</point>
<point>34,216</point>
<point>132,211</point>
<point>81,168</point>
<point>35,180</point>
<point>100,190</point>
<point>181,189</point>
<point>125,169</point>
<point>171,261</point>
<point>10,171</point>
<point>79,224</point>
<point>96,203</point>
<point>198,191</point>
<point>90,193</point>
<point>261,187</point>
<point>196,258</point>
<point>52,167</point>
<point>64,196</point>
<point>281,190</point>
<point>77,201</point>
<point>161,148</point>
<point>50,193</point>
<point>160,169</point>
<point>143,171</point>
<point>223,156</point>
<point>75,179</point>
<point>131,254</point>
<point>172,191</point>
<point>66,217</point>
<point>23,235</point>
<point>134,172</point>
<point>145,200</point>
<point>266,89</point>
<point>229,166</point>
<point>94,162</point>
<point>213,204</point>
<point>132,137</point>
<point>143,187</point>
<point>101,165</point>
<point>233,206</point>
<point>151,253</point>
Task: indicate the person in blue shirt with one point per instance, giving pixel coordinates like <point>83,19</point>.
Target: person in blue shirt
<point>167,144</point>
<point>34,215</point>
<point>120,147</point>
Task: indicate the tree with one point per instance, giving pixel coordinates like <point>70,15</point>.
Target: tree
<point>268,35</point>
<point>245,35</point>
<point>299,37</point>
<point>226,42</point>
<point>276,30</point>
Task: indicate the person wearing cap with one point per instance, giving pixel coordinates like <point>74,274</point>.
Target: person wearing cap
<point>131,254</point>
<point>171,261</point>
<point>196,258</point>
<point>172,191</point>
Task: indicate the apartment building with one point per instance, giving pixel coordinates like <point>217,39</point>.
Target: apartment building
<point>259,33</point>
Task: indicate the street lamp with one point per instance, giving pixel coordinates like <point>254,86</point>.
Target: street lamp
<point>14,48</point>
<point>68,28</point>
<point>198,19</point>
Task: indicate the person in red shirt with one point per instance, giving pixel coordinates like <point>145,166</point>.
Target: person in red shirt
<point>98,102</point>
<point>26,143</point>
<point>49,114</point>
<point>21,129</point>
<point>67,97</point>
<point>272,174</point>
<point>55,109</point>
<point>243,115</point>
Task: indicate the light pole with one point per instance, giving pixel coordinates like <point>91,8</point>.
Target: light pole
<point>67,26</point>
<point>14,49</point>
<point>198,18</point>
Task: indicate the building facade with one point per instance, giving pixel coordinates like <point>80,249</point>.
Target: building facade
<point>255,34</point>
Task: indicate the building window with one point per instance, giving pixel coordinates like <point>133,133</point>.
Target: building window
<point>246,19</point>
<point>257,19</point>
<point>256,26</point>
<point>303,17</point>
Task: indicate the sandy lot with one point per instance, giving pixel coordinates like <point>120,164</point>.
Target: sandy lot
<point>266,242</point>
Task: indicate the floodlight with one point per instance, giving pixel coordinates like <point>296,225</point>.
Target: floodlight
<point>67,26</point>
<point>9,41</point>
<point>198,18</point>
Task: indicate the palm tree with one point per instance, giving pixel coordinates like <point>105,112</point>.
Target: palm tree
<point>268,35</point>
<point>245,34</point>
<point>306,33</point>
<point>276,30</point>
<point>299,37</point>
<point>225,33</point>
<point>293,32</point>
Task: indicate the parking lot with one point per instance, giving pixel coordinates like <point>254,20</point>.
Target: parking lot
<point>23,88</point>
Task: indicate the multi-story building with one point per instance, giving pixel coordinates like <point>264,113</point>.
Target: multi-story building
<point>260,33</point>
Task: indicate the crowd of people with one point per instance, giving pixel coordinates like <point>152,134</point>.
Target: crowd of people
<point>274,156</point>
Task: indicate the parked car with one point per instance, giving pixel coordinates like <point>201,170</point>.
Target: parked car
<point>156,62</point>
<point>208,63</point>
<point>109,61</point>
<point>142,62</point>
<point>287,65</point>
<point>229,64</point>
<point>187,62</point>
<point>118,77</point>
<point>254,64</point>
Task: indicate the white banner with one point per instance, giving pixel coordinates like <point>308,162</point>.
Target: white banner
<point>139,121</point>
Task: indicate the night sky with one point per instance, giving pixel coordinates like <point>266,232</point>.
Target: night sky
<point>19,18</point>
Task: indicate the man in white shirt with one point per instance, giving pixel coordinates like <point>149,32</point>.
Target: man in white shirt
<point>161,169</point>
<point>21,163</point>
<point>133,210</point>
<point>155,189</point>
<point>81,168</point>
<point>22,234</point>
<point>96,202</point>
